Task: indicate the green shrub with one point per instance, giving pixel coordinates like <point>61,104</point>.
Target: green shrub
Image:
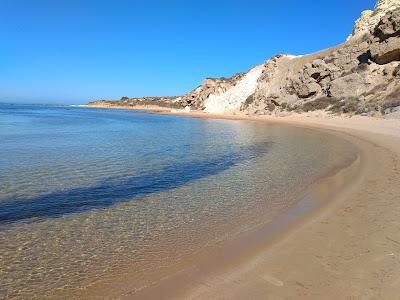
<point>337,108</point>
<point>271,106</point>
<point>390,103</point>
<point>291,107</point>
<point>320,103</point>
<point>351,105</point>
<point>248,101</point>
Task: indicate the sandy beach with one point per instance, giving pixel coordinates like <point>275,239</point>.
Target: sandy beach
<point>346,248</point>
<point>349,249</point>
<point>173,151</point>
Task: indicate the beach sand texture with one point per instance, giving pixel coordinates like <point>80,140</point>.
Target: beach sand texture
<point>349,249</point>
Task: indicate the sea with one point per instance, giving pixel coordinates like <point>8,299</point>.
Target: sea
<point>91,195</point>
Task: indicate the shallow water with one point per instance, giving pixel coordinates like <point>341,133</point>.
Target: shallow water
<point>91,194</point>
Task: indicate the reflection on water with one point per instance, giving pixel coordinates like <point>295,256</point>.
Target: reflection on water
<point>87,195</point>
<point>121,188</point>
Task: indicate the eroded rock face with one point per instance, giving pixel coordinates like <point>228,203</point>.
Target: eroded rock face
<point>362,76</point>
<point>359,76</point>
<point>383,6</point>
<point>383,53</point>
<point>363,23</point>
<point>388,26</point>
<point>369,19</point>
<point>210,86</point>
<point>233,98</point>
<point>385,45</point>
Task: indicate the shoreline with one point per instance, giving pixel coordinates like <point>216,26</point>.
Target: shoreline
<point>316,119</point>
<point>246,276</point>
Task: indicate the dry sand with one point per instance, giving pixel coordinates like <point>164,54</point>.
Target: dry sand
<point>348,248</point>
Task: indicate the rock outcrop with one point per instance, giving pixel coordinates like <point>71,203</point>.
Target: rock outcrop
<point>369,19</point>
<point>360,76</point>
<point>209,87</point>
<point>232,99</point>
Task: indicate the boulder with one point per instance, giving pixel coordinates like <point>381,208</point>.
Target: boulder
<point>387,51</point>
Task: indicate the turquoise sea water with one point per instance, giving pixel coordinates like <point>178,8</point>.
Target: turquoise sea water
<point>91,194</point>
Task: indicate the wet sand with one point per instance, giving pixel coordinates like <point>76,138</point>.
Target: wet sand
<point>347,247</point>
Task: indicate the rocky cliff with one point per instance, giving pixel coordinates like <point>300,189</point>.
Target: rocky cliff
<point>360,76</point>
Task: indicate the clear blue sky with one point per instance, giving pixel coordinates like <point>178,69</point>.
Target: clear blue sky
<point>67,51</point>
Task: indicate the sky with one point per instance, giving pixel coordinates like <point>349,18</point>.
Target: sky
<point>75,51</point>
